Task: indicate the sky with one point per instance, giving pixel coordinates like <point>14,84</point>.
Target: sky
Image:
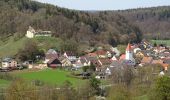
<point>106,4</point>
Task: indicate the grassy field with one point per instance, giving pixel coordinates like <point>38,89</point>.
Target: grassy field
<point>144,97</point>
<point>11,47</point>
<point>47,42</point>
<point>167,42</point>
<point>54,77</point>
<point>4,83</point>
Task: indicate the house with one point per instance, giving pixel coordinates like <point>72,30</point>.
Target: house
<point>101,54</point>
<point>51,53</point>
<point>38,66</point>
<point>102,63</point>
<point>139,54</point>
<point>91,55</point>
<point>92,60</point>
<point>164,55</point>
<point>135,50</point>
<point>70,55</point>
<point>65,61</point>
<point>159,49</point>
<point>54,63</point>
<point>116,64</point>
<point>159,61</point>
<point>108,71</point>
<point>8,63</point>
<point>145,45</point>
<point>122,57</point>
<point>165,66</point>
<point>161,73</point>
<point>166,60</point>
<point>116,51</point>
<point>113,58</point>
<point>84,61</point>
<point>31,33</point>
<point>109,54</point>
<point>148,52</point>
<point>78,64</point>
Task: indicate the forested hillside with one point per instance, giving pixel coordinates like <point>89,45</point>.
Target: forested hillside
<point>86,27</point>
<point>111,27</point>
<point>153,22</point>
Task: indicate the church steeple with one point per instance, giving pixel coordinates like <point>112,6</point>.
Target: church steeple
<point>129,48</point>
<point>129,54</point>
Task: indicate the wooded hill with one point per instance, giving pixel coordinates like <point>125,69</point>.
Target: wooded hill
<point>111,27</point>
<point>153,22</point>
<point>86,27</point>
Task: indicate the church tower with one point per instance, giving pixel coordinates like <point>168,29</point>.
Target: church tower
<point>129,54</point>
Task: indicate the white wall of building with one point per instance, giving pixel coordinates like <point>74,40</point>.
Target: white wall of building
<point>29,34</point>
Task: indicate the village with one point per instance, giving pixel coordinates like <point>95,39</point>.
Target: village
<point>102,62</point>
<point>84,50</point>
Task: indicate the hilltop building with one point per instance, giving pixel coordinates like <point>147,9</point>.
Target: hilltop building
<point>31,33</point>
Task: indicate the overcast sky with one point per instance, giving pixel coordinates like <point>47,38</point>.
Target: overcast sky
<point>106,4</point>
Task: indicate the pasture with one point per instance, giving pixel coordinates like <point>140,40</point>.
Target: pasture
<point>167,42</point>
<point>51,76</point>
<point>10,47</point>
<point>4,83</point>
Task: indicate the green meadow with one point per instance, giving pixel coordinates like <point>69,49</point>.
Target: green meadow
<point>167,42</point>
<point>51,76</point>
<point>10,47</point>
<point>4,83</point>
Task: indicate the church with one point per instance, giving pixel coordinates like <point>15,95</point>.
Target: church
<point>129,59</point>
<point>31,33</point>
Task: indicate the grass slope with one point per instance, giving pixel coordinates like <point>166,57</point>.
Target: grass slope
<point>167,42</point>
<point>47,42</point>
<point>51,76</point>
<point>144,97</point>
<point>11,47</point>
<point>4,83</point>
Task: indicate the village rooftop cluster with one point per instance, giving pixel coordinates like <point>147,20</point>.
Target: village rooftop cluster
<point>103,61</point>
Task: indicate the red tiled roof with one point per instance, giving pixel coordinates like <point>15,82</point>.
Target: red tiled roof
<point>129,47</point>
<point>165,66</point>
<point>122,57</point>
<point>157,62</point>
<point>100,52</point>
<point>147,60</point>
<point>92,54</point>
<point>105,61</point>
